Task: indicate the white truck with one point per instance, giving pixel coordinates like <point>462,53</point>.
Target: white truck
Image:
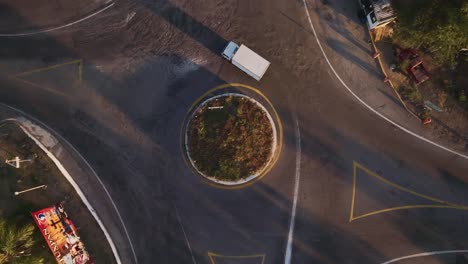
<point>246,60</point>
<point>376,13</point>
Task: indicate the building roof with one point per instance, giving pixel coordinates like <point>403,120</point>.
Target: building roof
<point>383,9</point>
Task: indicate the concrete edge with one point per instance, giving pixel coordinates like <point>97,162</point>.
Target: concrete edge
<point>71,181</point>
<point>366,105</point>
<point>251,177</point>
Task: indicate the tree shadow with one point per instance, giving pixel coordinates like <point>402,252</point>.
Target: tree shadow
<point>343,50</point>
<point>187,24</point>
<point>456,134</point>
<point>138,156</point>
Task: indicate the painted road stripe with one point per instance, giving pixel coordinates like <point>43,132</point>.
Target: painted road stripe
<point>288,255</point>
<point>51,67</point>
<point>75,186</point>
<point>212,256</point>
<point>426,254</point>
<point>364,103</point>
<point>55,133</point>
<point>441,203</point>
<point>185,234</point>
<point>59,27</point>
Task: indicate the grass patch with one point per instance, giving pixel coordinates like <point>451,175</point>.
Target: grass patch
<point>403,65</point>
<point>230,138</point>
<point>412,94</point>
<point>17,212</point>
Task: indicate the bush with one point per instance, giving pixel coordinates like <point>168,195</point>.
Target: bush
<point>449,86</point>
<point>16,244</point>
<point>403,65</point>
<point>230,143</point>
<point>441,27</point>
<point>462,96</point>
<point>412,94</point>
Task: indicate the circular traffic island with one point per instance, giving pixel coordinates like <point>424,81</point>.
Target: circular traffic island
<point>230,139</point>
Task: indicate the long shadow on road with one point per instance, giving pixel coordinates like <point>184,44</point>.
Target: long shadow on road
<point>127,129</point>
<point>187,24</point>
<point>345,51</point>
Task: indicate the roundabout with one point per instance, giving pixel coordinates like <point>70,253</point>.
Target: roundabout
<point>231,136</point>
<point>137,114</point>
<point>230,139</point>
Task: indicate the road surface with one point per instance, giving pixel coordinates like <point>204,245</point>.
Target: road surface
<point>118,85</point>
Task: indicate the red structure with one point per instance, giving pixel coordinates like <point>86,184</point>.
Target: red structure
<point>416,69</point>
<point>61,236</point>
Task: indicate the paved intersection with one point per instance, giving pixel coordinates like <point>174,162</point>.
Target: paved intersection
<point>119,92</point>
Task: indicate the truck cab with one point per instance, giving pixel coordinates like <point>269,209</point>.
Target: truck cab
<point>230,50</point>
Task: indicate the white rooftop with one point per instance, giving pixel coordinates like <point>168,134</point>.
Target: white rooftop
<point>383,9</point>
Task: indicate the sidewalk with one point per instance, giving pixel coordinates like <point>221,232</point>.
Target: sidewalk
<point>346,44</point>
<point>82,177</point>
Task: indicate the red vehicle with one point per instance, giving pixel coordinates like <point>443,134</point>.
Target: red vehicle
<point>416,69</point>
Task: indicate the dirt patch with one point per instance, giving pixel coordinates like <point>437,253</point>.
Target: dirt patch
<point>230,138</point>
<point>42,171</point>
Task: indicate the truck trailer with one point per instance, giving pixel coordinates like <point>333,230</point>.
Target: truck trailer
<point>246,60</point>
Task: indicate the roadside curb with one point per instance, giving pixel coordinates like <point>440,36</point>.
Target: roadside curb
<point>92,193</point>
<point>257,95</point>
<point>366,105</point>
<point>251,178</point>
<point>19,122</point>
<point>387,80</point>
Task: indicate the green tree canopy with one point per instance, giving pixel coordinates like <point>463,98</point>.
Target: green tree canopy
<point>16,244</point>
<point>440,26</point>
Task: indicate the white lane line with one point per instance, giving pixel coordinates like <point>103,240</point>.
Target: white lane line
<point>59,27</point>
<point>185,235</point>
<point>288,255</point>
<point>75,186</point>
<point>364,103</point>
<point>88,165</point>
<point>426,254</point>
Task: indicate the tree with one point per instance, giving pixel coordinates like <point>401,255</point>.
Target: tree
<point>438,26</point>
<point>16,244</point>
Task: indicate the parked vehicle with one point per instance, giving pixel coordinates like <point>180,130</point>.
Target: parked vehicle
<point>246,60</point>
<point>376,13</point>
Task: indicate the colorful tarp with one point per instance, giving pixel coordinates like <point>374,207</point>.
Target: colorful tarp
<point>61,236</point>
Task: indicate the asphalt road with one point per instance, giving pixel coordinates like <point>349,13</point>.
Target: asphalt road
<point>134,72</point>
